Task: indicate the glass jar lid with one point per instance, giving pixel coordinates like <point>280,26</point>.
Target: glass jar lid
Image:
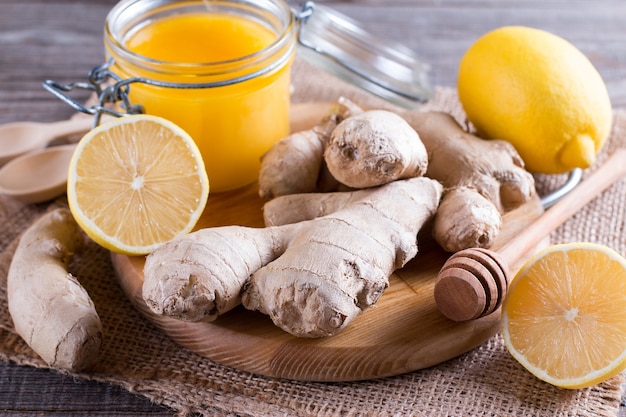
<point>338,45</point>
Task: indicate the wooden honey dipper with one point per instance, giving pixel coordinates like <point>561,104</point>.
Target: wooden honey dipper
<point>473,282</point>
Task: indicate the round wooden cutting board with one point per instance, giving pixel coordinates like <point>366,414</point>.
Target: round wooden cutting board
<point>403,333</point>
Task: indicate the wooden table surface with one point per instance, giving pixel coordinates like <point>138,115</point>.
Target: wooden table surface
<point>62,40</point>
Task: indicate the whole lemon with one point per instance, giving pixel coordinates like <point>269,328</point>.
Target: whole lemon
<point>539,92</point>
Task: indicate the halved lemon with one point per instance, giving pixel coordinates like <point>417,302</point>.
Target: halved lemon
<point>564,318</point>
<point>136,182</point>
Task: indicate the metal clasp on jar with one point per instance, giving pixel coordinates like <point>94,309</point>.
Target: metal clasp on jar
<point>108,93</point>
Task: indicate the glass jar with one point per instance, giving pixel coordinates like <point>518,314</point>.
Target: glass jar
<point>335,43</point>
<point>177,59</point>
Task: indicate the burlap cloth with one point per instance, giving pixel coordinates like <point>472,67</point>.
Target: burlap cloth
<point>484,382</point>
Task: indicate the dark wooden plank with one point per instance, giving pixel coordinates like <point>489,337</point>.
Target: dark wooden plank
<point>27,391</point>
<point>38,40</point>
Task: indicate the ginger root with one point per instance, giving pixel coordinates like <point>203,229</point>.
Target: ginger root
<point>51,311</point>
<point>295,164</point>
<point>312,277</point>
<point>374,148</point>
<point>323,258</point>
<point>482,180</point>
<point>201,276</point>
<point>350,148</point>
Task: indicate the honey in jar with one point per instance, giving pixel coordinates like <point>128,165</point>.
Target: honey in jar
<point>218,69</point>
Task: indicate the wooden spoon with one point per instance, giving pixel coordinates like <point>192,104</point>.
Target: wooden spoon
<point>37,176</point>
<point>473,282</point>
<point>42,175</point>
<point>18,138</point>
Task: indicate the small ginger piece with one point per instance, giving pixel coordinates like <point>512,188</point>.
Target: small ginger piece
<point>475,174</point>
<point>311,277</point>
<point>350,148</point>
<point>466,219</point>
<point>51,311</point>
<point>295,164</point>
<point>374,148</point>
<point>294,208</point>
<point>488,175</point>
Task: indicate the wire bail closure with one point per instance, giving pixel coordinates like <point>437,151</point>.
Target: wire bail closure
<point>98,82</point>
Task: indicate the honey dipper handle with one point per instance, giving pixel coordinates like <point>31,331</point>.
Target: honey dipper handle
<point>610,172</point>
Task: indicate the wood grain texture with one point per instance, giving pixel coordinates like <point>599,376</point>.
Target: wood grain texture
<point>403,333</point>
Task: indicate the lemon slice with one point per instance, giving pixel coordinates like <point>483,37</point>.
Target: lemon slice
<point>135,183</point>
<point>564,318</point>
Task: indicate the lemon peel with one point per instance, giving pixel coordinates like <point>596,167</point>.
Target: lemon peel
<point>579,152</point>
<point>540,93</point>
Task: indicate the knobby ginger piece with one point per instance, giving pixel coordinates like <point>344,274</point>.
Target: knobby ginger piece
<point>466,219</point>
<point>374,148</point>
<point>489,174</point>
<point>51,311</point>
<point>312,277</point>
<point>295,164</point>
<point>483,179</point>
<point>338,265</point>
